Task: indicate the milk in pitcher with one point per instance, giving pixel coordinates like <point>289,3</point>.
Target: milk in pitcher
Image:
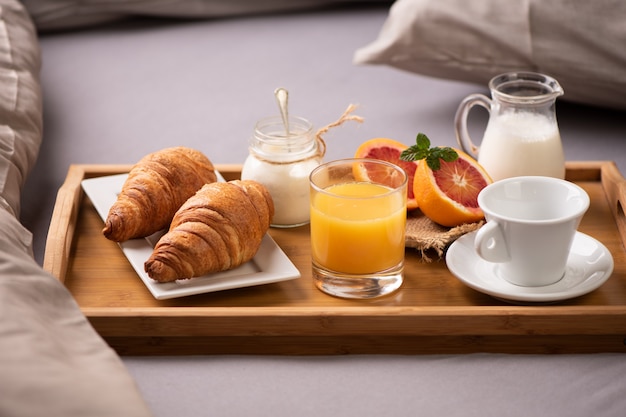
<point>522,143</point>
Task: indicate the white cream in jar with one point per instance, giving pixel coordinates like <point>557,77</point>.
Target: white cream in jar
<point>282,162</point>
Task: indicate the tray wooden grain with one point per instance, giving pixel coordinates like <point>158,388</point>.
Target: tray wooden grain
<point>433,312</point>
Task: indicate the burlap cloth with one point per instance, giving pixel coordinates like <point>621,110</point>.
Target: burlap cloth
<point>431,239</point>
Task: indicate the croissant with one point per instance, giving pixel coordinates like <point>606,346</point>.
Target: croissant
<point>219,228</point>
<point>156,187</point>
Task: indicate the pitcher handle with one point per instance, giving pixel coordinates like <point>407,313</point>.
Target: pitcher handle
<point>460,121</point>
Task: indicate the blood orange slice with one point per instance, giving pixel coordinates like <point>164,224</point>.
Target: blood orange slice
<point>389,150</point>
<point>449,195</point>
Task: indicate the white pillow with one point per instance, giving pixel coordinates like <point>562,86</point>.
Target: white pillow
<point>581,44</point>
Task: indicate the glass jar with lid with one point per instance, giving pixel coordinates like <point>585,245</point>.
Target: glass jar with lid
<point>282,160</point>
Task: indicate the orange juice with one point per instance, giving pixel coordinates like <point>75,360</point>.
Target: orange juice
<point>358,228</point>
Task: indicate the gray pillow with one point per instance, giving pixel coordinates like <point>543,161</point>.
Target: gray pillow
<point>52,362</point>
<point>66,14</point>
<point>581,44</point>
<point>20,103</point>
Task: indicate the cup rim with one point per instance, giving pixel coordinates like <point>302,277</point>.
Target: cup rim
<point>585,199</point>
<point>397,168</point>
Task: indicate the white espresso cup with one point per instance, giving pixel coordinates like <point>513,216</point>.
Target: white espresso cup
<point>531,224</point>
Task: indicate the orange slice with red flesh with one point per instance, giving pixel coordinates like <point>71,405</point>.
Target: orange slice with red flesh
<point>389,150</point>
<point>449,195</point>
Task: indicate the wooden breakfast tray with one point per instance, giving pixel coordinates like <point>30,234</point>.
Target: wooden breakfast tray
<point>433,312</point>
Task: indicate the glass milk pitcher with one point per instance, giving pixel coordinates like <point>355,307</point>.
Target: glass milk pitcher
<point>522,136</point>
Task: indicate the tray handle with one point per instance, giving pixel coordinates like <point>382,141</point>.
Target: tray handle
<point>63,223</point>
<point>614,186</point>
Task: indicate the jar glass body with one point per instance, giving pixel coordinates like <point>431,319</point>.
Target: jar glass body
<point>282,162</point>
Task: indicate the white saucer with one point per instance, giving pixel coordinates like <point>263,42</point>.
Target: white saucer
<point>589,265</point>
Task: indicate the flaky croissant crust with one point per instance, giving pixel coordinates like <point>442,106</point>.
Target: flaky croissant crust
<point>155,188</point>
<point>219,228</point>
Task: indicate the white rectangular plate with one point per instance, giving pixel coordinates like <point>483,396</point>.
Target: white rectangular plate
<point>270,264</point>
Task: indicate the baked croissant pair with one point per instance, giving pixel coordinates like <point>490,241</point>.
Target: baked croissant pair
<point>213,226</point>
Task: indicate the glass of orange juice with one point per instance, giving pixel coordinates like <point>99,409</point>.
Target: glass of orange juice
<point>358,220</point>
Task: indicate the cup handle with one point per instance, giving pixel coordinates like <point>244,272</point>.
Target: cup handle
<point>460,121</point>
<point>490,244</point>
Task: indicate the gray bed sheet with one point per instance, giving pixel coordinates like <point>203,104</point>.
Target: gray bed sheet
<point>114,93</point>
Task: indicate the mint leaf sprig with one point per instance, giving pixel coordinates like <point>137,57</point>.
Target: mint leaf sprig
<point>433,156</point>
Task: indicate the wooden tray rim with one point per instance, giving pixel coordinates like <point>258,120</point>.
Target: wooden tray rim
<point>379,320</point>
